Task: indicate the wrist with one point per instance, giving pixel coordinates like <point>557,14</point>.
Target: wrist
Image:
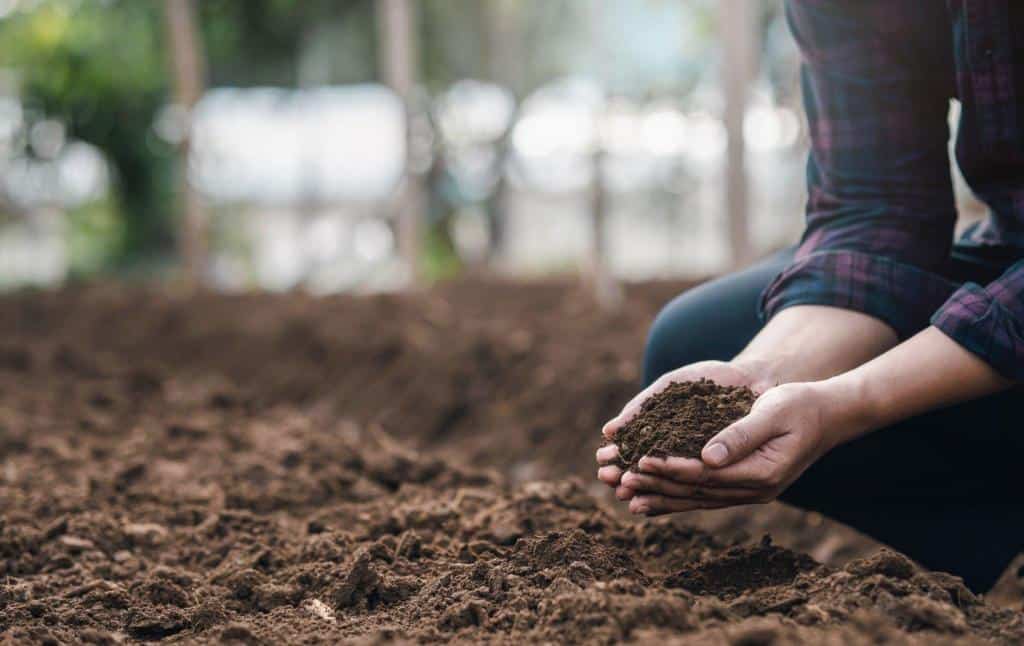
<point>851,407</point>
<point>764,371</point>
<point>791,346</point>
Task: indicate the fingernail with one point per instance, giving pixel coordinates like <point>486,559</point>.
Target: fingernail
<point>646,462</point>
<point>716,453</point>
<point>642,510</point>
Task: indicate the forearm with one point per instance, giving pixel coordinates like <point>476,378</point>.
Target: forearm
<point>927,372</point>
<point>812,342</point>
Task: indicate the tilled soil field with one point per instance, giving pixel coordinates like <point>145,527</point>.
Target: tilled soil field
<point>281,469</point>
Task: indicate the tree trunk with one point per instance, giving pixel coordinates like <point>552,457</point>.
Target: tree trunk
<point>397,48</point>
<point>737,21</point>
<point>607,291</point>
<point>187,60</point>
<point>502,62</point>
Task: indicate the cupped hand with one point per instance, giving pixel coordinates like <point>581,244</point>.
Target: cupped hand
<point>751,461</point>
<point>752,375</point>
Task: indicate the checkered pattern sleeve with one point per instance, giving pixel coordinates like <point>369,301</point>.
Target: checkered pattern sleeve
<point>989,321</point>
<point>880,210</point>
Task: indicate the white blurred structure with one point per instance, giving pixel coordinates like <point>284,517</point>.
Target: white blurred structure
<point>663,167</point>
<point>36,191</point>
<point>305,186</point>
<point>284,147</point>
<point>33,251</point>
<point>299,178</point>
<point>471,118</point>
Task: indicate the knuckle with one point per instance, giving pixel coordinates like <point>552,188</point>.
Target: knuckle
<point>776,397</point>
<point>772,478</point>
<point>740,437</point>
<point>703,476</point>
<point>651,465</point>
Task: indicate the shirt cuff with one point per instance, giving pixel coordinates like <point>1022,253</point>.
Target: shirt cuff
<point>903,296</point>
<point>978,321</point>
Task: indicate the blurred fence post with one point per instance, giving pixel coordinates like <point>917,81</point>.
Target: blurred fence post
<point>398,56</point>
<point>607,291</point>
<point>738,34</point>
<point>502,52</point>
<point>187,60</point>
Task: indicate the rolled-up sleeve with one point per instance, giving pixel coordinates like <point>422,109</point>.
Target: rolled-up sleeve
<point>899,294</point>
<point>989,321</point>
<point>880,213</point>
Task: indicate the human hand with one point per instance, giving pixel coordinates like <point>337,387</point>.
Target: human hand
<point>753,460</point>
<point>755,375</point>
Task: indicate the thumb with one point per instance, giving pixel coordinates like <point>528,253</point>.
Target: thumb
<point>738,440</point>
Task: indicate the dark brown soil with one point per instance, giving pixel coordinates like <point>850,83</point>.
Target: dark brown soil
<point>742,569</point>
<point>680,420</point>
<point>266,470</point>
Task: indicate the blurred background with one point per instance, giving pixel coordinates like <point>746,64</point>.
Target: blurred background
<point>375,144</point>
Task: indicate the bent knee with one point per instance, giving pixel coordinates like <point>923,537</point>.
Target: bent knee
<point>677,337</point>
<point>711,322</point>
<point>714,320</point>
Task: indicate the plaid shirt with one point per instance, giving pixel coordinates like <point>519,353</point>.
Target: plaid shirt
<point>877,78</point>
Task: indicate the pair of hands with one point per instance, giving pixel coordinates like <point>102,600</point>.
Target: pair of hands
<point>752,461</point>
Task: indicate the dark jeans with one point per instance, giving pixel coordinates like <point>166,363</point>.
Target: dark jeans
<point>944,488</point>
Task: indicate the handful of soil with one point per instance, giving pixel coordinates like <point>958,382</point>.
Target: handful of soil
<point>680,420</point>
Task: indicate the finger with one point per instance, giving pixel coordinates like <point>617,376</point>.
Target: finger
<point>695,472</point>
<point>706,506</point>
<point>610,475</point>
<point>608,454</point>
<point>686,470</point>
<point>754,472</point>
<point>739,440</point>
<point>649,484</point>
<point>624,493</point>
<point>611,427</point>
<point>655,505</point>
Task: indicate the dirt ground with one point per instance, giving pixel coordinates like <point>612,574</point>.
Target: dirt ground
<point>281,469</point>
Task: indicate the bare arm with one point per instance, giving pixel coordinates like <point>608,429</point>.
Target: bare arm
<point>811,342</point>
<point>926,372</point>
<point>800,343</point>
<point>793,425</point>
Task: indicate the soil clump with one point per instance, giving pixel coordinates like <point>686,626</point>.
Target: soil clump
<point>680,420</point>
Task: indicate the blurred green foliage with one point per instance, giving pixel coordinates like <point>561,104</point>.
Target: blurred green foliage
<point>100,67</point>
<point>94,233</point>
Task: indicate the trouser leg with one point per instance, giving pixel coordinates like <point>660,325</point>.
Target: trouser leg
<point>942,487</point>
